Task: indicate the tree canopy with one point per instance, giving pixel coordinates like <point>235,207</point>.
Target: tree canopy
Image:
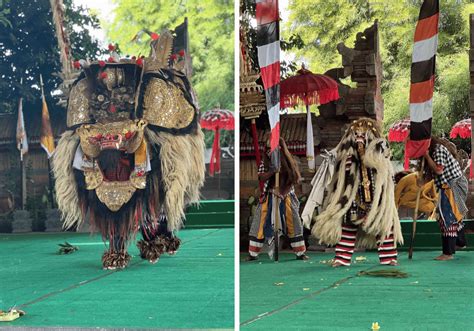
<point>323,24</point>
<point>314,28</point>
<point>28,48</point>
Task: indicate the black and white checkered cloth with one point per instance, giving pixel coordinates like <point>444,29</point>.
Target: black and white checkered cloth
<point>451,168</point>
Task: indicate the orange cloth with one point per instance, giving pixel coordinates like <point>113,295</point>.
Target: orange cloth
<point>407,189</point>
<point>449,193</point>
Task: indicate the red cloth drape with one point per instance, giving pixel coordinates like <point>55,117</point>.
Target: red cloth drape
<point>215,164</point>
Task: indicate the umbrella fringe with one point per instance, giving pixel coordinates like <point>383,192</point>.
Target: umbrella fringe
<point>313,98</point>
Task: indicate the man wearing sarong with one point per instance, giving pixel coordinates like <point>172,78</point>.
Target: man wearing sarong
<point>262,228</point>
<point>452,186</point>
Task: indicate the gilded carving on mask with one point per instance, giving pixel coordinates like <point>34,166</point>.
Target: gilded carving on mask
<point>165,105</point>
<point>125,135</point>
<point>115,194</point>
<point>93,178</point>
<point>78,106</point>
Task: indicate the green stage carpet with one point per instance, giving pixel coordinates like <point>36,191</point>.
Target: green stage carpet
<point>193,289</point>
<point>310,295</point>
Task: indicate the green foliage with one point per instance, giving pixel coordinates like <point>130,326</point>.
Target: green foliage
<point>323,24</point>
<point>28,47</point>
<point>211,33</point>
<point>3,14</point>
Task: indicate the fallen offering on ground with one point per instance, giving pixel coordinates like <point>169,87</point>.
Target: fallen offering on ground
<point>10,315</point>
<point>67,248</point>
<point>384,273</point>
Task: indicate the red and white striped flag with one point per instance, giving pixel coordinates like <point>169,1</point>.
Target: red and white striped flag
<point>268,45</point>
<point>423,78</point>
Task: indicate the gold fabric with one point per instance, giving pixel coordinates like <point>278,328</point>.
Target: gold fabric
<point>165,105</point>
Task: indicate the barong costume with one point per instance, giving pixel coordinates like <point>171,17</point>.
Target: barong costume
<point>132,156</point>
<point>359,205</point>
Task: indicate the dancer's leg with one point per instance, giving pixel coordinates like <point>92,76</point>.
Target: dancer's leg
<point>388,251</point>
<point>345,246</point>
<point>294,226</point>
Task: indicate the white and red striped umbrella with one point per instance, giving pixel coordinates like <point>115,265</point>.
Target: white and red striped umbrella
<point>461,129</point>
<point>399,131</point>
<point>216,120</point>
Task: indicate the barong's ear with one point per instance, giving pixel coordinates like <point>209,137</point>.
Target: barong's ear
<point>65,182</point>
<point>182,169</point>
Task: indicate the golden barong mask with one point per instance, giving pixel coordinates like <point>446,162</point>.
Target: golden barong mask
<point>112,103</point>
<point>124,136</point>
<point>146,88</point>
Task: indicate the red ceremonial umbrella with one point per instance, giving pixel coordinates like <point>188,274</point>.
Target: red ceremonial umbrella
<point>216,120</point>
<point>400,132</point>
<point>462,129</point>
<point>308,89</point>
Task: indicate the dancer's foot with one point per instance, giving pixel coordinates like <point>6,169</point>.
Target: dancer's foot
<point>444,257</point>
<point>113,260</point>
<point>151,250</point>
<point>303,257</point>
<point>251,258</point>
<point>172,245</point>
<point>336,264</point>
<point>392,263</point>
<point>458,248</point>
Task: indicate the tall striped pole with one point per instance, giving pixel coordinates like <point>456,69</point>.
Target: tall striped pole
<point>268,47</point>
<point>423,78</point>
<point>421,90</point>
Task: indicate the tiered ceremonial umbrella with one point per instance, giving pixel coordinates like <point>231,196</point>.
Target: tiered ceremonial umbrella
<point>462,129</point>
<point>216,120</point>
<point>306,88</point>
<point>400,132</point>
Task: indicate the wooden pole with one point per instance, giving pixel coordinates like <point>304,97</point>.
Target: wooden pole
<point>22,161</point>
<point>276,210</point>
<point>415,214</point>
<point>23,183</point>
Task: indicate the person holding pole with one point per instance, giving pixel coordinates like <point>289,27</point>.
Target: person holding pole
<point>452,186</point>
<point>262,228</point>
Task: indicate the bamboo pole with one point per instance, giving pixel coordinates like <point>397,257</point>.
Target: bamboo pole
<point>415,214</point>
<point>276,210</point>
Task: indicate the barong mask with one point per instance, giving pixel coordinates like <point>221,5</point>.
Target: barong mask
<point>362,177</point>
<point>134,149</point>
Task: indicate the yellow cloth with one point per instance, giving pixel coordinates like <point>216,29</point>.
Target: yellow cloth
<point>46,139</point>
<point>407,189</point>
<point>449,193</point>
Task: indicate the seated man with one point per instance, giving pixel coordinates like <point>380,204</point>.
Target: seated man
<point>407,189</point>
